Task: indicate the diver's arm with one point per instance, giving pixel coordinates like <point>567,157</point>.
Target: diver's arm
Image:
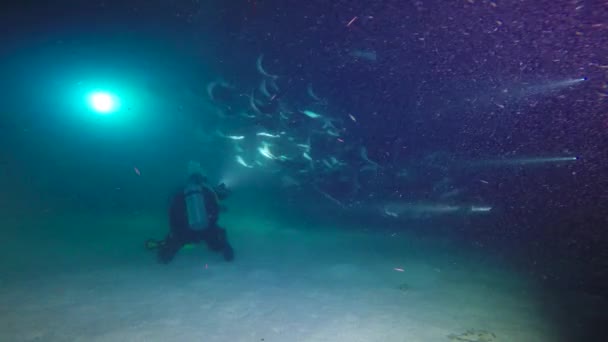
<point>221,191</point>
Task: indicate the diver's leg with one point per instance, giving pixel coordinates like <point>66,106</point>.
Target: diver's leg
<point>169,247</point>
<point>228,251</point>
<point>218,241</point>
<point>213,238</point>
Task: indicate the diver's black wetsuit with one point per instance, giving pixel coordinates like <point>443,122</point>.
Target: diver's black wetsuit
<point>180,233</point>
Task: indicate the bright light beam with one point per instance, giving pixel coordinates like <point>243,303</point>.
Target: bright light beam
<point>102,102</point>
<point>524,161</point>
<point>553,86</point>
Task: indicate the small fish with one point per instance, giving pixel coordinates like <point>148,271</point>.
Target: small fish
<point>484,209</point>
<point>240,160</point>
<point>332,132</point>
<point>287,181</point>
<point>352,117</point>
<point>269,135</point>
<point>272,84</point>
<point>137,171</point>
<point>366,158</point>
<point>231,137</point>
<point>368,55</point>
<point>264,89</point>
<point>210,88</point>
<point>398,269</point>
<point>312,94</point>
<point>253,105</point>
<point>390,213</point>
<point>265,151</point>
<point>328,124</point>
<point>219,89</point>
<point>248,116</point>
<point>261,70</point>
<point>352,21</point>
<point>311,114</point>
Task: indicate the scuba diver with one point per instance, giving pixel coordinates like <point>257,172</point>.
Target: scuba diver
<point>193,215</point>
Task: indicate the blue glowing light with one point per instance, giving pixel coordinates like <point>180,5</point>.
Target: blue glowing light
<point>102,102</point>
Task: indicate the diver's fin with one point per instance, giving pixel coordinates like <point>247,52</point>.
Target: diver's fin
<point>152,244</point>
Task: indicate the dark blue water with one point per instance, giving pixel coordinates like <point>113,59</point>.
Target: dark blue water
<point>449,115</point>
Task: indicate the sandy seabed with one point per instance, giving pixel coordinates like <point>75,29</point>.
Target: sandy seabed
<point>288,283</point>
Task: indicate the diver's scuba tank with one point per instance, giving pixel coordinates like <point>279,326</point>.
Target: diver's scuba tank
<point>195,207</point>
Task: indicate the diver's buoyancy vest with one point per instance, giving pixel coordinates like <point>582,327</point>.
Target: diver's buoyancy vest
<point>195,207</point>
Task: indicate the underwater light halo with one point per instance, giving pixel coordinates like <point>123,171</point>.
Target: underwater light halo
<point>103,102</point>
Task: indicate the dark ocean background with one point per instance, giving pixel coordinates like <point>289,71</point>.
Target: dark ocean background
<point>450,84</point>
